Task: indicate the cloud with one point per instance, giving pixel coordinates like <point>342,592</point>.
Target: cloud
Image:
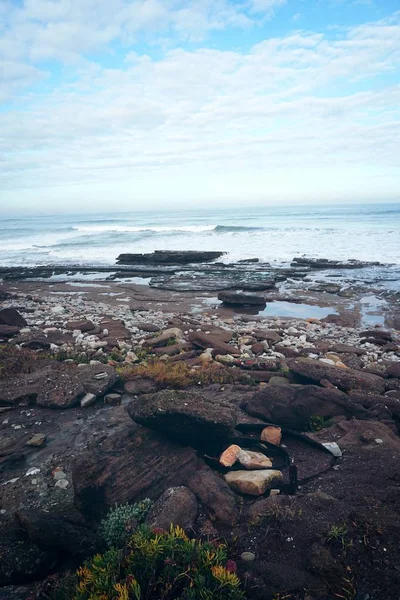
<point>301,101</point>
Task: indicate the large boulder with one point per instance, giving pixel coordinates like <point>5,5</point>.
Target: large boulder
<point>203,340</point>
<point>176,506</point>
<point>97,379</point>
<point>215,496</point>
<point>169,257</point>
<point>10,316</point>
<point>8,331</point>
<point>60,389</point>
<point>313,371</point>
<point>131,464</point>
<point>185,416</point>
<point>393,370</point>
<point>242,299</point>
<point>293,407</point>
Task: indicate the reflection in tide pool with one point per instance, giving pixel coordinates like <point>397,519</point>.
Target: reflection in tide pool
<point>280,309</point>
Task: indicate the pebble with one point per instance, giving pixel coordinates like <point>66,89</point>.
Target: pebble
<point>247,556</point>
<point>62,484</point>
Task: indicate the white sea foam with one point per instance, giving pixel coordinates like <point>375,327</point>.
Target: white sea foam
<point>132,229</point>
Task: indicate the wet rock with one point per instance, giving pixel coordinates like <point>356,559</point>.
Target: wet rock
<point>253,483</point>
<point>176,506</point>
<point>169,257</point>
<point>97,379</point>
<point>324,263</point>
<point>314,371</point>
<point>241,299</point>
<point>131,464</point>
<point>11,317</point>
<point>8,331</point>
<point>185,416</point>
<point>215,496</point>
<point>112,399</point>
<point>204,341</point>
<point>57,532</point>
<point>83,326</point>
<point>140,385</point>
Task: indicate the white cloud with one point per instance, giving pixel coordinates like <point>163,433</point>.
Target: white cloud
<point>285,105</point>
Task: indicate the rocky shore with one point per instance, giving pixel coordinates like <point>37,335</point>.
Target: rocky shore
<point>279,435</point>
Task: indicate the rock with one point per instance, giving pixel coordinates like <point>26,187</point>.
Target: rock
<point>279,381</point>
<point>204,341</point>
<point>8,331</point>
<point>61,389</point>
<point>23,561</point>
<point>270,335</point>
<point>253,483</point>
<point>176,506</point>
<point>293,407</point>
<point>230,455</point>
<point>242,299</point>
<point>258,348</point>
<point>254,460</point>
<point>83,326</point>
<point>215,496</point>
<point>57,532</point>
<point>112,399</point>
<point>148,327</point>
<point>172,334</point>
<point>185,416</point>
<point>172,350</point>
<point>88,400</point>
<point>37,441</point>
<point>116,331</point>
<point>140,385</point>
<point>377,334</point>
<point>169,257</point>
<point>346,380</point>
<point>272,435</point>
<point>97,379</point>
<point>11,317</point>
<point>393,370</point>
<point>346,349</point>
<point>248,556</point>
<point>131,464</point>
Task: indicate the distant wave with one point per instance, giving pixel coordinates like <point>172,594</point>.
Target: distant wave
<point>159,229</point>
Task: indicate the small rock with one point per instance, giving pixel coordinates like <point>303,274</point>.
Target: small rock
<point>254,460</point>
<point>271,434</point>
<point>247,556</point>
<point>88,399</point>
<point>253,483</point>
<point>62,484</point>
<point>38,440</point>
<point>112,399</point>
<point>59,474</point>
<point>230,455</point>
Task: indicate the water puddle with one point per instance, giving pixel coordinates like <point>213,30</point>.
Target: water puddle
<point>280,309</point>
<point>371,308</point>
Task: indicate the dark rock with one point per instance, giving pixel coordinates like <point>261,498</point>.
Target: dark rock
<point>53,531</point>
<point>345,379</point>
<point>215,495</point>
<point>378,334</point>
<point>288,352</point>
<point>185,416</point>
<point>324,263</point>
<point>97,379</point>
<point>60,389</point>
<point>149,327</point>
<point>241,299</point>
<point>16,592</point>
<point>36,344</point>
<point>169,257</point>
<point>139,386</point>
<point>172,350</point>
<point>131,464</point>
<point>258,348</point>
<point>176,506</point>
<point>346,349</point>
<point>270,335</point>
<point>116,330</point>
<point>384,406</point>
<point>8,331</point>
<point>202,340</point>
<point>393,370</point>
<point>83,326</point>
<point>293,408</point>
<point>184,356</point>
<point>10,316</point>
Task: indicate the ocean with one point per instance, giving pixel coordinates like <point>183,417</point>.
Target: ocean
<point>273,234</point>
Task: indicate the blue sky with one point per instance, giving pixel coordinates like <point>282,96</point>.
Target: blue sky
<point>149,103</point>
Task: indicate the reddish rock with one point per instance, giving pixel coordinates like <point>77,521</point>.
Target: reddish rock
<point>140,385</point>
<point>272,435</point>
<point>83,326</point>
<point>229,456</point>
<point>393,370</point>
<point>8,331</point>
<point>215,496</point>
<point>176,506</point>
<point>132,464</point>
<point>97,379</point>
<point>60,389</point>
<point>10,316</point>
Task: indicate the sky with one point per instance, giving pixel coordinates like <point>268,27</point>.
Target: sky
<point>136,104</point>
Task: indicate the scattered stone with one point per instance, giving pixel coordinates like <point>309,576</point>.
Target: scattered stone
<point>38,440</point>
<point>112,399</point>
<point>230,456</point>
<point>253,483</point>
<point>247,556</point>
<point>88,400</point>
<point>271,434</point>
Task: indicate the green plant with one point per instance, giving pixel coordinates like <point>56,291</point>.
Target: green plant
<point>160,565</point>
<point>315,423</point>
<point>118,525</point>
<point>339,533</point>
